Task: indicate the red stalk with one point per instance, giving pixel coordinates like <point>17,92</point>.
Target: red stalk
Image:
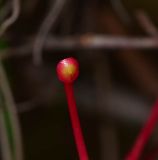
<point>68,70</point>
<point>79,140</point>
<point>144,134</point>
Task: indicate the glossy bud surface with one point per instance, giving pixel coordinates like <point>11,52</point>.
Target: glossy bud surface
<point>68,70</point>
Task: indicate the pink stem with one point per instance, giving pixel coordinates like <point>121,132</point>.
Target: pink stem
<point>144,134</point>
<point>80,144</point>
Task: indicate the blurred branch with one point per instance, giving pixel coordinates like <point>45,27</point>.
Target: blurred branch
<point>5,145</point>
<point>8,22</point>
<point>4,11</point>
<point>85,42</point>
<point>44,30</point>
<point>121,11</point>
<point>146,23</point>
<point>11,109</point>
<point>99,41</point>
<point>140,71</point>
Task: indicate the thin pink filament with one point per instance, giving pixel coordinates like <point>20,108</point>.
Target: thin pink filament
<point>79,140</point>
<point>144,134</point>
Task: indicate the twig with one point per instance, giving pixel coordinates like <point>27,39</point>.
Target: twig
<point>13,113</point>
<point>101,42</point>
<point>88,42</point>
<point>5,10</point>
<point>6,151</point>
<point>85,42</point>
<point>44,30</point>
<point>8,22</point>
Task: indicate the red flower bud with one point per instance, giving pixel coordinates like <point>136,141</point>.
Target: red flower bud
<point>67,70</point>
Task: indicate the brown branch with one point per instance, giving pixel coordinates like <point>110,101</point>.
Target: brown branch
<point>87,42</point>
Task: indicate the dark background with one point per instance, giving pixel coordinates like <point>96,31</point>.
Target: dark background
<point>114,92</point>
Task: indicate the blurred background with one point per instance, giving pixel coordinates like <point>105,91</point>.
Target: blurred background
<point>115,42</point>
